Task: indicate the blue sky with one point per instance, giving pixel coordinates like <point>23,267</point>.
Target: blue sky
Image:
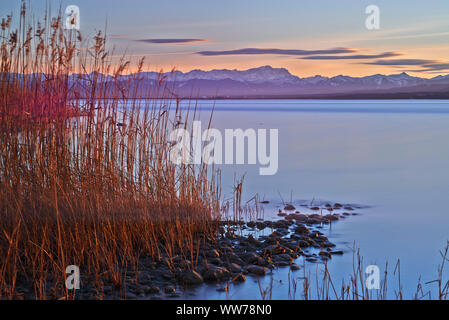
<point>413,35</point>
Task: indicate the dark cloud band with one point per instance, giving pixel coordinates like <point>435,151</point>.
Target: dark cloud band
<point>436,66</point>
<point>170,41</point>
<point>426,65</point>
<point>354,57</point>
<point>401,62</point>
<point>255,51</point>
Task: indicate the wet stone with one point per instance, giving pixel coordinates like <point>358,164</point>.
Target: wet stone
<point>257,270</point>
<point>337,252</point>
<point>235,268</point>
<point>191,278</point>
<point>216,274</point>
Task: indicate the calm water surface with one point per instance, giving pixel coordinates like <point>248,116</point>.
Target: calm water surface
<point>390,155</point>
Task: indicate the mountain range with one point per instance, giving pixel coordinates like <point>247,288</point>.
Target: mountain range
<point>268,82</point>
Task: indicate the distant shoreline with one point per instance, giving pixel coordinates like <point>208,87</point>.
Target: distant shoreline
<point>417,96</point>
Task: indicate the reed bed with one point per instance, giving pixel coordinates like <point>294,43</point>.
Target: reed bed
<point>85,175</point>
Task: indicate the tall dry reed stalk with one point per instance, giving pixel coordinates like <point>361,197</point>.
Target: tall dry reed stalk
<point>85,176</point>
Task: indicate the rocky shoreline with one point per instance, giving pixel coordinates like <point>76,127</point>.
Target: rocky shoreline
<point>243,249</point>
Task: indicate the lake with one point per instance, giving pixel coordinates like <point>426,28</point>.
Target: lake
<point>390,155</point>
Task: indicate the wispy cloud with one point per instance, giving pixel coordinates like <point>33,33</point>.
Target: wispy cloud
<point>354,57</point>
<point>425,65</point>
<point>437,66</point>
<point>402,62</point>
<point>291,52</point>
<point>171,40</point>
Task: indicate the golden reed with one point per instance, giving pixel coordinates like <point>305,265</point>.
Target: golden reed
<point>83,180</point>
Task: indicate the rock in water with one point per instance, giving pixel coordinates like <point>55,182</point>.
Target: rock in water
<point>257,270</point>
<point>191,278</point>
<point>216,274</point>
<point>234,267</point>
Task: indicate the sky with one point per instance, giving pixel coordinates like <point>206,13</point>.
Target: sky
<point>319,37</point>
